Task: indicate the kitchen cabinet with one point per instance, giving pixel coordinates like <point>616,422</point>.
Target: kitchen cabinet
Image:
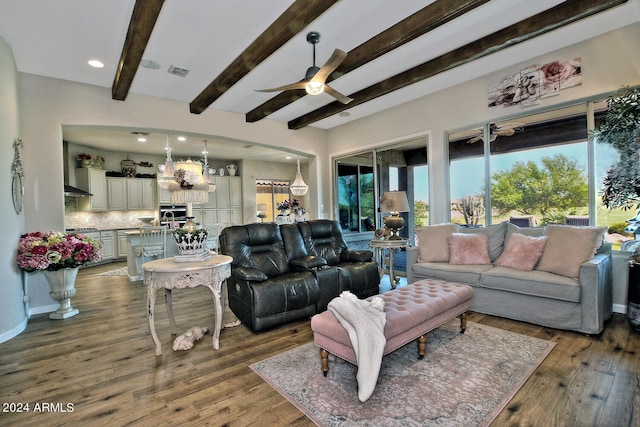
<point>225,204</point>
<point>117,194</point>
<point>107,238</point>
<point>93,181</point>
<point>122,243</point>
<point>164,196</point>
<point>131,193</point>
<point>141,193</point>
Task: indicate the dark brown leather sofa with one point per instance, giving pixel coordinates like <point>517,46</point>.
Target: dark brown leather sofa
<point>286,272</point>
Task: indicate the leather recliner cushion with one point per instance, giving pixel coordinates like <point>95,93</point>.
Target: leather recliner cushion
<point>256,246</point>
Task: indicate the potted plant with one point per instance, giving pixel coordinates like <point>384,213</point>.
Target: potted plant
<point>621,130</point>
<point>59,256</point>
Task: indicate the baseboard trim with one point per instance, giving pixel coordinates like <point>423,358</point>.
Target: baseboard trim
<point>15,331</point>
<point>619,308</point>
<point>43,309</point>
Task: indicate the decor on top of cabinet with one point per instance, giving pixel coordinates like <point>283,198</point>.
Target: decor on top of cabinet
<point>128,167</point>
<point>232,169</point>
<point>90,161</point>
<point>59,255</point>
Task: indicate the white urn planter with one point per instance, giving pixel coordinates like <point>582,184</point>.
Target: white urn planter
<point>62,283</point>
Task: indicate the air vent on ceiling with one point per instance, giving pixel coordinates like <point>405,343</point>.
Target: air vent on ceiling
<point>181,72</point>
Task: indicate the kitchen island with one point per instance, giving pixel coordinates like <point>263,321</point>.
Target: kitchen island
<point>133,240</point>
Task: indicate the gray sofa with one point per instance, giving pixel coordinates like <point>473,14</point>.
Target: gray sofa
<point>581,303</point>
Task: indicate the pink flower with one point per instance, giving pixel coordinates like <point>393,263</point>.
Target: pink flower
<point>55,250</point>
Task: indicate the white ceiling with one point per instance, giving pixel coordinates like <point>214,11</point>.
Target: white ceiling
<point>57,38</point>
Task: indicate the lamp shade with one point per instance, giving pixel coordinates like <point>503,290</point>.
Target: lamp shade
<point>394,201</point>
<point>262,207</point>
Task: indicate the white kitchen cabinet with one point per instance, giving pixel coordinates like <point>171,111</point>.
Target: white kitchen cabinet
<point>141,193</point>
<point>122,243</point>
<point>225,204</point>
<point>117,189</point>
<point>107,238</point>
<point>131,193</point>
<point>94,181</point>
<point>164,196</point>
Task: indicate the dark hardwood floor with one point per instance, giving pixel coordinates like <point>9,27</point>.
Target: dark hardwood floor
<point>99,368</point>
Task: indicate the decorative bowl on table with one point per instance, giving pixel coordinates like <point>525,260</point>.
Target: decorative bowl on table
<point>190,243</point>
<point>146,220</point>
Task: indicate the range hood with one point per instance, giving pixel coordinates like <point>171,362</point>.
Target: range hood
<point>75,192</point>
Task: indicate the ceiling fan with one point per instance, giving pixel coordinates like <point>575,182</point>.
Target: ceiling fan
<point>498,129</point>
<point>315,78</point>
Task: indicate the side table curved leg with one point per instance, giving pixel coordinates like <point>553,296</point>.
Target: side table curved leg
<point>215,290</point>
<point>151,302</point>
<point>168,302</point>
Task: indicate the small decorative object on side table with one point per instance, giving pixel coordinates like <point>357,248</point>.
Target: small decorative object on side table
<point>379,246</point>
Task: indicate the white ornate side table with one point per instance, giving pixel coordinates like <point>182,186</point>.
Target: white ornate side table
<point>167,274</point>
<point>379,247</point>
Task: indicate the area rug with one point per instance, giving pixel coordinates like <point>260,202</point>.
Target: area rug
<point>463,380</point>
<point>117,272</point>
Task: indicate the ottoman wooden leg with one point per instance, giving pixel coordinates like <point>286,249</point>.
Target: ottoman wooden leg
<point>463,322</point>
<point>324,361</point>
<point>422,346</point>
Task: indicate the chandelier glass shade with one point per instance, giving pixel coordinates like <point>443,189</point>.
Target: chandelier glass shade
<point>298,186</point>
<point>188,181</point>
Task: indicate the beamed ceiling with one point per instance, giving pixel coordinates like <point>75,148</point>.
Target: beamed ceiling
<point>397,51</point>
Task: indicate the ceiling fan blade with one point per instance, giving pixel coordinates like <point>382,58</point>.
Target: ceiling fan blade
<point>290,86</point>
<point>475,139</point>
<point>337,95</point>
<point>336,59</point>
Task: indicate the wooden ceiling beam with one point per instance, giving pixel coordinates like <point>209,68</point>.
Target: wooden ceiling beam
<point>416,25</point>
<point>293,20</point>
<point>143,19</point>
<point>563,14</point>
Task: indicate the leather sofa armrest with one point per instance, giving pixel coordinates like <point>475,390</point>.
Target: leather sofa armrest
<point>249,274</point>
<point>362,255</point>
<point>308,262</point>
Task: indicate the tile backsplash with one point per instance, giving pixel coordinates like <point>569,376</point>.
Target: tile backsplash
<point>107,220</point>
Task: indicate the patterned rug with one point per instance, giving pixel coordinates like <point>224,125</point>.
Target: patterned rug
<point>463,380</point>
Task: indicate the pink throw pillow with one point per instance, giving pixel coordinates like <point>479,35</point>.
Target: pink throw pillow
<point>469,249</point>
<point>522,252</point>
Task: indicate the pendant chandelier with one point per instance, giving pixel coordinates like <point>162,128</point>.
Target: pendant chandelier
<point>298,187</point>
<point>188,181</point>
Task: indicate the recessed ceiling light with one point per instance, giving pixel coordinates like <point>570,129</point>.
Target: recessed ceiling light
<point>95,63</point>
<point>141,139</point>
<point>344,114</point>
<point>288,157</point>
<point>182,139</point>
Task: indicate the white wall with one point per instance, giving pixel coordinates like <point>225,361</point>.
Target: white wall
<point>13,317</point>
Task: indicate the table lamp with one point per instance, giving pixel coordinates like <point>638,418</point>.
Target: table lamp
<point>394,202</point>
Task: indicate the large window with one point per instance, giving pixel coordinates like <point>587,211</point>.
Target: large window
<point>532,170</point>
<point>361,181</point>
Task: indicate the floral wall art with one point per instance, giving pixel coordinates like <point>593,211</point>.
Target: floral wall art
<point>532,83</point>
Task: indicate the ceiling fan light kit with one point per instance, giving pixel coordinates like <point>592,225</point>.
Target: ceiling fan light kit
<point>314,82</point>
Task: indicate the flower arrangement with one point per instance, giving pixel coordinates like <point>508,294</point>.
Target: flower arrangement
<point>186,178</point>
<point>288,204</point>
<point>56,250</point>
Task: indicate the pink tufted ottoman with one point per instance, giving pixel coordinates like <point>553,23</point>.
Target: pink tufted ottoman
<point>412,311</point>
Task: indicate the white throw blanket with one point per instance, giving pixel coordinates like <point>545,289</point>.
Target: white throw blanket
<point>364,322</point>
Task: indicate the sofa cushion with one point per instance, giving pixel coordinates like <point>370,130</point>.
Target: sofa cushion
<point>469,274</point>
<point>527,231</point>
<point>522,252</point>
<point>535,283</point>
<point>433,242</point>
<point>495,234</point>
<point>568,247</point>
<point>468,249</point>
